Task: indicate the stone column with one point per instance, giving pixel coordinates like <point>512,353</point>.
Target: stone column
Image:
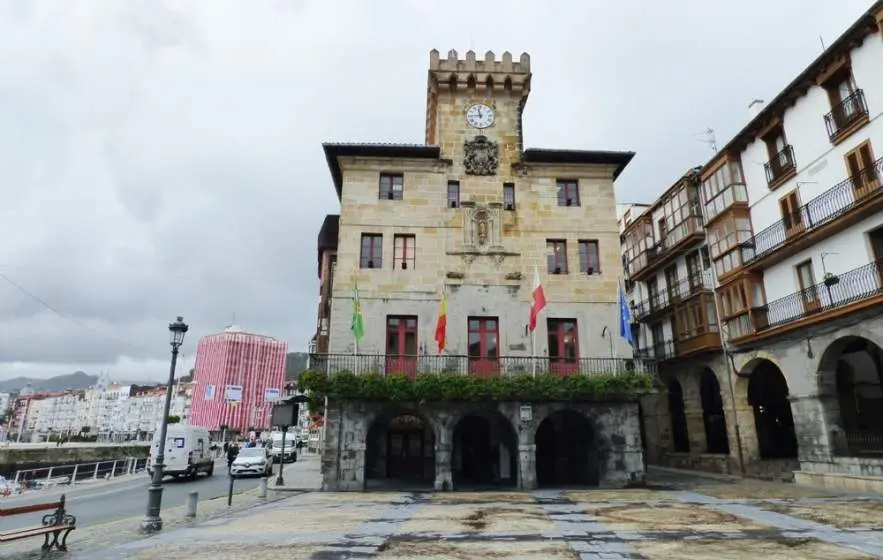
<point>331,450</point>
<point>695,424</point>
<point>527,466</point>
<point>444,481</point>
<point>818,433</point>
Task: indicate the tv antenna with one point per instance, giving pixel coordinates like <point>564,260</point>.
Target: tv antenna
<point>709,139</point>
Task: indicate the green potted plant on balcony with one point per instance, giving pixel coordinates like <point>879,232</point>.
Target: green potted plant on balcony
<point>830,279</point>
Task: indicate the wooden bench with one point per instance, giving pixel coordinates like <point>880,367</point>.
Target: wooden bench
<point>56,525</point>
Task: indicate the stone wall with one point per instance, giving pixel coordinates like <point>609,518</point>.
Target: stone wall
<point>615,425</point>
<point>12,458</point>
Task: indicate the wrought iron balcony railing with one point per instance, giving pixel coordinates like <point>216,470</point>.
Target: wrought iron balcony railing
<point>836,291</point>
<point>411,365</point>
<point>659,351</point>
<point>780,165</point>
<point>663,299</point>
<point>821,210</point>
<point>846,113</point>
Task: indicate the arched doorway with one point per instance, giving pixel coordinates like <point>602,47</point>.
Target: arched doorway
<point>400,451</point>
<point>716,440</point>
<point>566,453</point>
<point>678,416</point>
<point>858,366</point>
<point>485,452</point>
<point>768,396</point>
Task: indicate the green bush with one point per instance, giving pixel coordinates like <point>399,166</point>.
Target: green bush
<point>346,385</point>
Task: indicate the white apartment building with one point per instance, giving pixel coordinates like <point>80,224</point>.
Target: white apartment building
<point>792,209</point>
<point>109,411</point>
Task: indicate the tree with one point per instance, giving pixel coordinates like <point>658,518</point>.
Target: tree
<point>174,418</point>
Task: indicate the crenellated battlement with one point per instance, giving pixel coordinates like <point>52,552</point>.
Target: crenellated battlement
<point>490,78</point>
<point>471,72</point>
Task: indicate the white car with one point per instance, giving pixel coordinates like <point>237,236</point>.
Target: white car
<point>252,461</point>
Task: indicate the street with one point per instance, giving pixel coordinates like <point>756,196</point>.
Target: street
<point>104,501</point>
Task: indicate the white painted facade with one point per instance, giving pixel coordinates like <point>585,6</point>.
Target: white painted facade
<point>109,412</point>
<point>820,166</point>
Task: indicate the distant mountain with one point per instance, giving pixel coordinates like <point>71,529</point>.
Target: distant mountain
<point>75,380</point>
<point>295,364</point>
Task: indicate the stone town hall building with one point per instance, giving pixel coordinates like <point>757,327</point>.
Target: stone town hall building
<point>472,214</point>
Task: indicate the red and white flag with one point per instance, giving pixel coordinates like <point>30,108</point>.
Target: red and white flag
<point>539,300</point>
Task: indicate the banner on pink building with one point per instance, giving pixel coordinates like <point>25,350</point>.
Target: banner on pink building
<point>233,393</point>
<point>271,394</point>
<point>209,392</point>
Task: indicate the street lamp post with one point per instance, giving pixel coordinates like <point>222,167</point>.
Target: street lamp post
<point>153,522</point>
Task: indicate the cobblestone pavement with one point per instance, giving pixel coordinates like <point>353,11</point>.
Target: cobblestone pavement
<point>677,518</point>
<point>715,519</point>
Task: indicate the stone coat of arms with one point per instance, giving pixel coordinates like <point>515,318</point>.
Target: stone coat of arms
<point>482,156</point>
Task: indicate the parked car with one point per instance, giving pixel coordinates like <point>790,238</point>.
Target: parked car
<point>187,452</point>
<point>252,461</point>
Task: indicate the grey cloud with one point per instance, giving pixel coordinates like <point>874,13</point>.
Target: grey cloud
<point>163,158</point>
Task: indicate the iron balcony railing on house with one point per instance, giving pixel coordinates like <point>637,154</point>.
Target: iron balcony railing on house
<point>848,111</point>
<point>835,292</point>
<point>659,351</point>
<point>446,364</point>
<point>691,285</point>
<point>780,165</point>
<point>821,210</point>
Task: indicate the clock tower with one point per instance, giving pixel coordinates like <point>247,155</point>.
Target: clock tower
<point>474,108</point>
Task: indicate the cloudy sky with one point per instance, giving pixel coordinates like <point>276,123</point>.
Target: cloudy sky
<point>163,158</point>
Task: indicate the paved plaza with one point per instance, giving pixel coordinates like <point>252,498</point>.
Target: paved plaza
<point>679,517</point>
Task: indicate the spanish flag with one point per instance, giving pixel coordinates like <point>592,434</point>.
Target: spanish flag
<point>441,326</point>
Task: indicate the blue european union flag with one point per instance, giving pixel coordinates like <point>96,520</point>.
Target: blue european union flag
<point>625,317</point>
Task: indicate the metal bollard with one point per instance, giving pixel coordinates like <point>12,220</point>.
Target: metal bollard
<point>230,493</point>
<point>192,500</point>
<point>262,493</point>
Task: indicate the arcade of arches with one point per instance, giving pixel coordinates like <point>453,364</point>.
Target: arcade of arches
<point>840,427</point>
<point>451,446</point>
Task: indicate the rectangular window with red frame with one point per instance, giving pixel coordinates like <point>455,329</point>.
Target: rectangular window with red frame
<point>563,345</point>
<point>372,251</point>
<point>483,345</point>
<point>392,186</point>
<point>401,345</point>
<point>404,251</point>
<point>556,260</point>
<point>568,192</point>
<point>589,260</point>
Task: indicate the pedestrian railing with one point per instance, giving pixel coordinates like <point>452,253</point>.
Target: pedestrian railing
<point>32,479</point>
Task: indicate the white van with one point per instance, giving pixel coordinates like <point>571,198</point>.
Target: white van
<point>187,451</point>
<point>287,455</point>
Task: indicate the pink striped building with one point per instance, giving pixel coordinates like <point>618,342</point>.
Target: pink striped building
<point>237,376</point>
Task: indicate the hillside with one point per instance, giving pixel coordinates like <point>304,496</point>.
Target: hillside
<point>75,380</point>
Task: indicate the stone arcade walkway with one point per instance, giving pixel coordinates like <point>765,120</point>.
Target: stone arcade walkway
<point>711,520</point>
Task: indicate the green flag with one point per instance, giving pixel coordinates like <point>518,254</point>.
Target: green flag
<point>358,326</point>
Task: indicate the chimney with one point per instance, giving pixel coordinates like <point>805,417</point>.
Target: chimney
<point>755,107</point>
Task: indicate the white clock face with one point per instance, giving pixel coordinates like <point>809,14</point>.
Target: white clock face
<point>480,116</point>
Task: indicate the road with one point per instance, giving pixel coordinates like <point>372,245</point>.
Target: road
<point>103,501</point>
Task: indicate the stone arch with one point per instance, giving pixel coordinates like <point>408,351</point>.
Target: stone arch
<point>713,417</point>
<point>678,417</point>
<point>400,449</point>
<point>484,451</point>
<point>567,450</point>
<point>773,419</point>
<point>850,378</point>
